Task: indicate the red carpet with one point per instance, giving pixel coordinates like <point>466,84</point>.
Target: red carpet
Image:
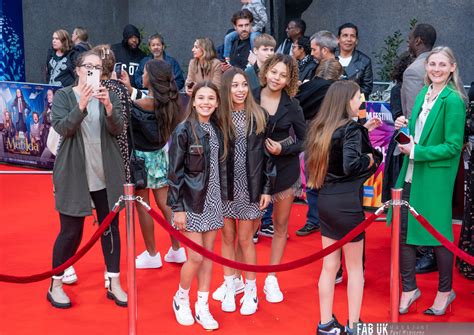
<point>30,225</point>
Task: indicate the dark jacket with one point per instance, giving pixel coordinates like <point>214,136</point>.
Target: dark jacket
<point>348,159</point>
<point>260,171</point>
<point>188,171</point>
<point>360,70</point>
<point>71,191</point>
<point>60,70</point>
<point>177,72</point>
<point>306,68</point>
<point>130,58</point>
<point>289,115</point>
<point>252,72</point>
<point>311,95</point>
<point>239,53</point>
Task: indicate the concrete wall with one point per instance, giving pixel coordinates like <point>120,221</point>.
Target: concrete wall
<point>182,21</point>
<point>104,19</point>
<point>378,19</point>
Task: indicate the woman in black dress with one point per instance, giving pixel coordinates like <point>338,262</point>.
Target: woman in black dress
<point>339,160</point>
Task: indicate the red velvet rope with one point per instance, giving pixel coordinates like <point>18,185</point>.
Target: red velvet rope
<point>443,240</point>
<point>40,276</point>
<point>261,268</point>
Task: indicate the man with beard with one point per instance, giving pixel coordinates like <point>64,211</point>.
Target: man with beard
<point>157,48</point>
<point>127,52</point>
<point>240,51</point>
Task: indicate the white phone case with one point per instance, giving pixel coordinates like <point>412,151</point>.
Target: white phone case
<point>93,79</point>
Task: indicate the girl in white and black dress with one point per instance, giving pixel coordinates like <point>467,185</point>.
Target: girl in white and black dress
<point>248,183</point>
<point>198,147</point>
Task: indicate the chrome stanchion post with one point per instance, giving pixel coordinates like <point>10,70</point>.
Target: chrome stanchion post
<point>395,255</point>
<point>129,198</point>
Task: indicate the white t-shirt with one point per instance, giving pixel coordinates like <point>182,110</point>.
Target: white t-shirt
<point>345,61</point>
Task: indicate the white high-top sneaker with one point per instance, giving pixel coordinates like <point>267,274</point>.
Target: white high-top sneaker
<point>182,311</point>
<point>204,317</point>
<point>249,302</point>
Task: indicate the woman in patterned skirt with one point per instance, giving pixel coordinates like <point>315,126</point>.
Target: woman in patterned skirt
<point>249,187</point>
<point>196,190</point>
<point>162,105</point>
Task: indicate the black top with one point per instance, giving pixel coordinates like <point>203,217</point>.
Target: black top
<point>360,70</point>
<point>287,121</point>
<point>239,53</point>
<point>130,58</point>
<point>396,101</point>
<point>311,95</point>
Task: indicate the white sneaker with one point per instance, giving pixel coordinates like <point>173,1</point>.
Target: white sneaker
<point>228,303</point>
<point>175,256</point>
<point>182,311</point>
<point>106,280</point>
<point>204,317</point>
<point>145,261</point>
<point>219,293</point>
<point>272,291</point>
<point>249,302</point>
<point>70,276</point>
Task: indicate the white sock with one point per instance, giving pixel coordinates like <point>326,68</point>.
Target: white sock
<point>229,281</point>
<point>182,293</point>
<point>251,283</point>
<point>202,297</point>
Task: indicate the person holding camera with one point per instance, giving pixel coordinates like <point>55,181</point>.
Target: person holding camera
<point>88,169</point>
<point>204,66</point>
<point>161,110</point>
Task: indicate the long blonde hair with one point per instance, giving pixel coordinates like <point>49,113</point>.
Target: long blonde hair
<point>254,113</point>
<point>454,78</point>
<point>334,113</point>
<point>209,54</point>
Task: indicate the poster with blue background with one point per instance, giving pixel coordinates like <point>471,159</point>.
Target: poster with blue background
<point>12,53</point>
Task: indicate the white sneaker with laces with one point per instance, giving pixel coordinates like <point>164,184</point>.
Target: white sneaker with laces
<point>272,290</point>
<point>204,317</point>
<point>219,293</point>
<point>249,302</point>
<point>145,261</point>
<point>228,303</point>
<point>70,276</point>
<point>175,256</point>
<point>182,311</point>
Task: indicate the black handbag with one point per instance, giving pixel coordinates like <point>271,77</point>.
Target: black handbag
<point>138,170</point>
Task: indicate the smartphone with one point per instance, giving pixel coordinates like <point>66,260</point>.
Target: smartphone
<point>190,85</point>
<point>118,70</point>
<point>402,138</point>
<point>93,79</point>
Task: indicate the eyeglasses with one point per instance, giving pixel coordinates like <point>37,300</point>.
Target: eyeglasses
<point>89,66</point>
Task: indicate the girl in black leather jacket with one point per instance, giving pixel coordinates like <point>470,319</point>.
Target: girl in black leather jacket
<point>197,186</point>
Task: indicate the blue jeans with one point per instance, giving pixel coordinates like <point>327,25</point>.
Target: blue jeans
<point>231,37</point>
<point>312,216</point>
<point>267,217</point>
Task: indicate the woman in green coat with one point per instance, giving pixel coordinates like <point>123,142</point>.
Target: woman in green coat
<point>428,173</point>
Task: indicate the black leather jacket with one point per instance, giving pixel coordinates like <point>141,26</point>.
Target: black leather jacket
<point>360,70</point>
<point>348,159</point>
<point>260,169</point>
<point>189,164</point>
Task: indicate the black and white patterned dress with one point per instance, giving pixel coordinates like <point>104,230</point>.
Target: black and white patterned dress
<point>241,207</point>
<point>211,217</point>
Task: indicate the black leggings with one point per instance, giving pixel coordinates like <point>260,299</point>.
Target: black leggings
<point>70,236</point>
<point>444,257</point>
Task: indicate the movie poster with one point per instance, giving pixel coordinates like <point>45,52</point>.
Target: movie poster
<point>25,120</point>
<point>380,138</point>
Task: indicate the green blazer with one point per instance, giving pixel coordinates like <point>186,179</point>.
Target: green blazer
<point>436,164</point>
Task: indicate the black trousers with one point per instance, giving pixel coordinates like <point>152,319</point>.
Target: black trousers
<point>70,235</point>
<point>444,257</point>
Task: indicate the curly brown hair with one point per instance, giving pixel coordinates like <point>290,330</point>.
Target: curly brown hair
<point>292,85</point>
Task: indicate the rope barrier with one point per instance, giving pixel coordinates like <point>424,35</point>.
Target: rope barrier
<point>261,268</point>
<point>437,235</point>
<point>81,252</point>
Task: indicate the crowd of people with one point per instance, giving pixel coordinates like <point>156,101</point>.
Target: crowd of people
<point>230,162</point>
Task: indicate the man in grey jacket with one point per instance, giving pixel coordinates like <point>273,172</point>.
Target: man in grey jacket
<point>420,42</point>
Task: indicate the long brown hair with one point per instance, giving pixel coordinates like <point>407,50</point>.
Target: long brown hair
<point>216,117</point>
<point>209,54</point>
<point>334,113</point>
<point>165,95</point>
<point>253,112</point>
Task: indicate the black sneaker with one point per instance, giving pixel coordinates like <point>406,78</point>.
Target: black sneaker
<point>333,327</point>
<point>266,230</point>
<point>307,229</point>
